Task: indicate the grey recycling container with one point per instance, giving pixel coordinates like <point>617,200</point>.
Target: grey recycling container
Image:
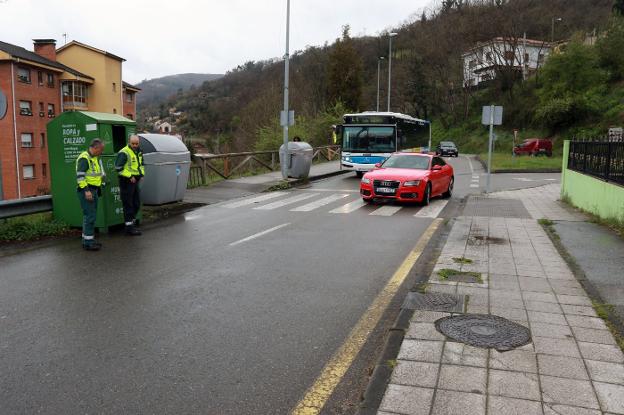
<point>167,163</point>
<point>300,159</point>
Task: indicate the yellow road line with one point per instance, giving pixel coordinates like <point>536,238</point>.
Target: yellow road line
<point>317,395</point>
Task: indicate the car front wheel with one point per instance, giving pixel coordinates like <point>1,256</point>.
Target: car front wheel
<point>449,190</point>
<point>427,196</point>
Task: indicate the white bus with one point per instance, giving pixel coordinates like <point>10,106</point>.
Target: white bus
<point>369,138</point>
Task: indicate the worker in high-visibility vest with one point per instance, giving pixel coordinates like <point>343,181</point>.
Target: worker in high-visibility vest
<point>90,176</point>
<point>334,135</point>
<point>129,166</point>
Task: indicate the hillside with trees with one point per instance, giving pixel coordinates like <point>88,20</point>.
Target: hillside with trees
<point>577,92</point>
<point>156,90</point>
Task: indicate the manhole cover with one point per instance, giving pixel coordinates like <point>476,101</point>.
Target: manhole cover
<point>434,302</point>
<point>484,330</point>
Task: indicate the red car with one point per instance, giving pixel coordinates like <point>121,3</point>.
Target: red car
<point>534,147</point>
<point>408,177</point>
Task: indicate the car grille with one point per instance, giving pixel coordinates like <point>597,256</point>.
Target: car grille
<point>386,183</point>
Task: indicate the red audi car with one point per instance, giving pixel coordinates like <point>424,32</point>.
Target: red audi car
<point>408,177</point>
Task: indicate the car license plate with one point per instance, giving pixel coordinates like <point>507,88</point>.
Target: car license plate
<point>387,190</point>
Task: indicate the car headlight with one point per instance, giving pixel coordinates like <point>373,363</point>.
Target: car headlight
<point>412,183</point>
<point>365,180</point>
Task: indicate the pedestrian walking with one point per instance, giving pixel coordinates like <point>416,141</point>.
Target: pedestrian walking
<point>129,166</point>
<point>90,176</point>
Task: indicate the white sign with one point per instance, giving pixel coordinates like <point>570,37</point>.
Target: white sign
<point>291,118</point>
<point>486,115</point>
<point>91,127</point>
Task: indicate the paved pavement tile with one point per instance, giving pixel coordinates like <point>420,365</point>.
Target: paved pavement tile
<point>428,316</point>
<point>568,392</point>
<point>424,331</point>
<point>458,403</point>
<point>605,371</point>
<point>544,297</point>
<point>513,384</point>
<point>421,350</point>
<point>555,409</point>
<point>593,335</point>
<point>602,352</point>
<point>407,400</point>
<point>549,318</point>
<point>509,313</point>
<point>586,322</point>
<point>574,300</point>
<point>500,405</point>
<point>463,378</point>
<point>514,360</point>
<point>611,397</point>
<point>557,347</point>
<point>415,374</point>
<point>543,307</point>
<point>555,331</point>
<point>463,354</point>
<point>579,310</point>
<point>562,366</point>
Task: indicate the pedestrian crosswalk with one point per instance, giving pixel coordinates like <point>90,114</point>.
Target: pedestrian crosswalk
<point>338,203</point>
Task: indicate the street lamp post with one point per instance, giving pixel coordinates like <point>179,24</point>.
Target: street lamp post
<point>284,164</point>
<point>390,35</point>
<point>378,77</point>
<point>552,28</point>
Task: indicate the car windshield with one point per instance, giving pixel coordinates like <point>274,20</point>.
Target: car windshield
<point>407,162</point>
<point>447,144</point>
<point>369,139</point>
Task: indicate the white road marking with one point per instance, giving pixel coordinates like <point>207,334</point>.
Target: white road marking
<point>287,201</point>
<point>349,207</point>
<point>470,164</point>
<point>550,180</point>
<point>475,176</point>
<point>253,200</point>
<point>259,234</point>
<point>523,179</point>
<point>474,185</point>
<point>386,211</point>
<point>433,210</point>
<point>316,189</point>
<point>318,203</point>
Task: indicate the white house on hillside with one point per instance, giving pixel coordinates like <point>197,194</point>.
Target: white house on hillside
<point>482,62</point>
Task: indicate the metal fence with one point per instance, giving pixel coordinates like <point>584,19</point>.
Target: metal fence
<point>208,168</point>
<point>601,159</point>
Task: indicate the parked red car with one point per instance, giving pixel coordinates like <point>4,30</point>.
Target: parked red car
<point>408,177</point>
<point>534,147</point>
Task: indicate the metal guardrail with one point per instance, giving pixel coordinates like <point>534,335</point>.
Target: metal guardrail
<point>26,206</point>
<point>224,166</point>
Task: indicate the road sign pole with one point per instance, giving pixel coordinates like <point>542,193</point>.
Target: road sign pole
<point>284,164</point>
<point>489,166</point>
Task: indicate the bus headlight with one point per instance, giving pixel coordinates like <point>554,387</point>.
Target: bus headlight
<point>412,183</point>
<point>346,158</point>
<point>365,180</point>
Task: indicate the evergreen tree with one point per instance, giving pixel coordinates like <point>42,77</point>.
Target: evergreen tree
<point>345,72</point>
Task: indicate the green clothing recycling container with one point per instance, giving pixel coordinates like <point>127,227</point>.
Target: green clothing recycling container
<point>69,134</point>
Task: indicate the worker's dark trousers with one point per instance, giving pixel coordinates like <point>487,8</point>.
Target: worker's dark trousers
<point>130,198</point>
<point>89,210</point>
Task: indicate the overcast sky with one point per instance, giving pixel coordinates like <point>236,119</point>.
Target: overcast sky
<point>160,38</point>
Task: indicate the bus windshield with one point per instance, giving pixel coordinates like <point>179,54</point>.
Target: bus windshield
<point>369,139</point>
<point>400,161</point>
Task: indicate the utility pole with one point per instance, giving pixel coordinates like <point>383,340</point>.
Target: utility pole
<point>390,35</point>
<point>378,78</point>
<point>285,117</point>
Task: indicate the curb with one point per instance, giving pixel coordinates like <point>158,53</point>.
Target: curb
<point>543,170</point>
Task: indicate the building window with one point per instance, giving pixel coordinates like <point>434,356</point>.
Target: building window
<point>472,64</point>
<point>526,58</point>
<point>488,56</point>
<point>40,78</point>
<point>74,94</point>
<point>541,58</point>
<point>43,144</point>
<point>23,75</point>
<point>41,113</point>
<point>51,112</point>
<point>44,170</point>
<point>114,87</point>
<point>28,171</point>
<point>129,116</point>
<point>114,110</point>
<point>51,80</point>
<point>25,108</point>
<point>27,140</point>
<point>129,96</point>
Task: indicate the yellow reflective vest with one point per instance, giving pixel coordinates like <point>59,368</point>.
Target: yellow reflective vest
<point>94,174</point>
<point>134,163</point>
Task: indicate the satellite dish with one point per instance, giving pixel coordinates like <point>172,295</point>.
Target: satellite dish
<point>3,105</point>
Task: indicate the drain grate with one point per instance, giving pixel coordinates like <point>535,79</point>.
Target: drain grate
<point>484,330</point>
<point>434,302</point>
<point>495,208</point>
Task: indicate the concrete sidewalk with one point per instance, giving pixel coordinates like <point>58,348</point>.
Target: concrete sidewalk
<point>572,364</point>
<point>245,186</point>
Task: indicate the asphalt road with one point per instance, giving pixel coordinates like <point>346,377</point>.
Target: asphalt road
<point>231,309</point>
